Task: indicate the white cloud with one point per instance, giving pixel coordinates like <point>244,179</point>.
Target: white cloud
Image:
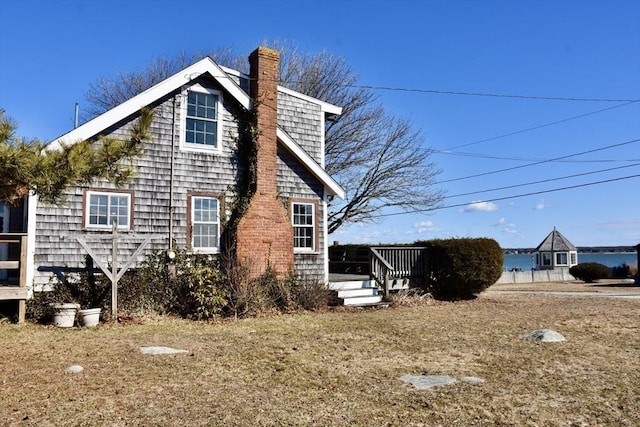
<point>510,229</point>
<point>422,227</point>
<point>501,221</point>
<point>479,206</point>
<point>541,205</point>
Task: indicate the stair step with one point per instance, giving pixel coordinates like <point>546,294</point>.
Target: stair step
<point>352,284</point>
<point>362,301</point>
<point>360,292</point>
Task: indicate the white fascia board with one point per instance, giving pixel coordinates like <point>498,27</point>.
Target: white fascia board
<point>324,106</point>
<point>311,164</point>
<point>95,126</point>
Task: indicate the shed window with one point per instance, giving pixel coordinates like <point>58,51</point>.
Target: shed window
<point>546,258</point>
<point>102,209</point>
<point>303,221</point>
<point>561,258</point>
<point>573,258</point>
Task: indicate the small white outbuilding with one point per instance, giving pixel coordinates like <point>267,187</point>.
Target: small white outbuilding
<point>555,252</point>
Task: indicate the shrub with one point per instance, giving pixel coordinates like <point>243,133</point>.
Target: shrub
<point>462,268</point>
<point>590,272</point>
<point>311,294</point>
<point>621,271</point>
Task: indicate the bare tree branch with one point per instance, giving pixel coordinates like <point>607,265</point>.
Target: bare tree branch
<point>379,160</point>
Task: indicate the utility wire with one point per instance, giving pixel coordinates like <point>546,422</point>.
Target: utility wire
<point>494,95</point>
<point>510,197</point>
<point>539,162</point>
<point>540,181</point>
<point>525,159</point>
<point>539,126</point>
<point>463,93</point>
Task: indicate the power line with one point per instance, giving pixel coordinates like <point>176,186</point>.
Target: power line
<point>453,92</point>
<point>493,157</point>
<point>539,162</point>
<point>540,181</point>
<point>483,94</point>
<point>541,126</point>
<point>511,197</point>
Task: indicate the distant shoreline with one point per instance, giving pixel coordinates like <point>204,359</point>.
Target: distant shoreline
<point>581,249</point>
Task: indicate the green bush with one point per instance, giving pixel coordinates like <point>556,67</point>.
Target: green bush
<point>462,268</point>
<point>590,272</point>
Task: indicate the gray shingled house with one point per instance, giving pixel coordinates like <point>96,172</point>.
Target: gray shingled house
<point>187,177</point>
<point>555,252</point>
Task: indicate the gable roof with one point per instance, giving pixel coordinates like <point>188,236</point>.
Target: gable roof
<point>131,106</point>
<point>555,242</point>
<point>181,78</point>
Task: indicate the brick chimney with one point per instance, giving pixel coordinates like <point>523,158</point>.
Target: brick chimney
<point>265,233</point>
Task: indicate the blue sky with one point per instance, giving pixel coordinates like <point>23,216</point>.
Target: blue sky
<point>51,51</point>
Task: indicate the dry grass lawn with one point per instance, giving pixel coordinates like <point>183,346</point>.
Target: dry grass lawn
<point>340,367</point>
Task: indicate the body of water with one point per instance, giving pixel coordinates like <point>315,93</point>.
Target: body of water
<point>610,259</point>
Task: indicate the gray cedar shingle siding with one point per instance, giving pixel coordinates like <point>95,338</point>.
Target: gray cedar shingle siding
<point>303,121</point>
<point>57,226</point>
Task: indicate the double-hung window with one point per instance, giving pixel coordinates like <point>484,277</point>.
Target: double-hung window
<point>304,226</point>
<point>103,208</point>
<point>202,130</point>
<point>205,223</point>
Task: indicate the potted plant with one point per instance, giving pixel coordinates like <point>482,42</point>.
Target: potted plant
<point>78,290</point>
<point>64,314</point>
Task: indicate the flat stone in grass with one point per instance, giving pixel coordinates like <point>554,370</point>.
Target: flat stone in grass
<point>74,369</point>
<point>544,335</point>
<point>161,350</point>
<point>425,382</point>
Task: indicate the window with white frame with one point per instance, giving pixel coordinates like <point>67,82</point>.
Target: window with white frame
<point>205,223</point>
<point>103,208</point>
<point>573,258</point>
<point>546,258</point>
<point>304,226</point>
<point>561,258</point>
<point>201,124</point>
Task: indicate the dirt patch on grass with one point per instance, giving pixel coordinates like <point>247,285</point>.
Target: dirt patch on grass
<point>337,368</point>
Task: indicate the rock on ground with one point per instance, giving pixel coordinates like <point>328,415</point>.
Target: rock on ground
<point>544,335</point>
<point>161,350</point>
<point>74,369</point>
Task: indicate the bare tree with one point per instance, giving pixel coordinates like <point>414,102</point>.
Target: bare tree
<point>379,159</point>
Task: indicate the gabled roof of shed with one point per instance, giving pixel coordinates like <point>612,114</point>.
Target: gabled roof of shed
<point>206,65</point>
<point>555,242</point>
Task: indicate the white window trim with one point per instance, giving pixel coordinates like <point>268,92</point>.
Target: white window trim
<point>211,249</point>
<point>108,226</point>
<point>200,148</point>
<point>314,226</point>
<point>566,255</point>
<point>550,258</point>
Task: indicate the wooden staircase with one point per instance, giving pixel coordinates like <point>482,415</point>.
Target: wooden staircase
<point>356,293</point>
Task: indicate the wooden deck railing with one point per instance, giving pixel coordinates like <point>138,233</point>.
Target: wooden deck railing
<point>19,293</point>
<point>394,268</point>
